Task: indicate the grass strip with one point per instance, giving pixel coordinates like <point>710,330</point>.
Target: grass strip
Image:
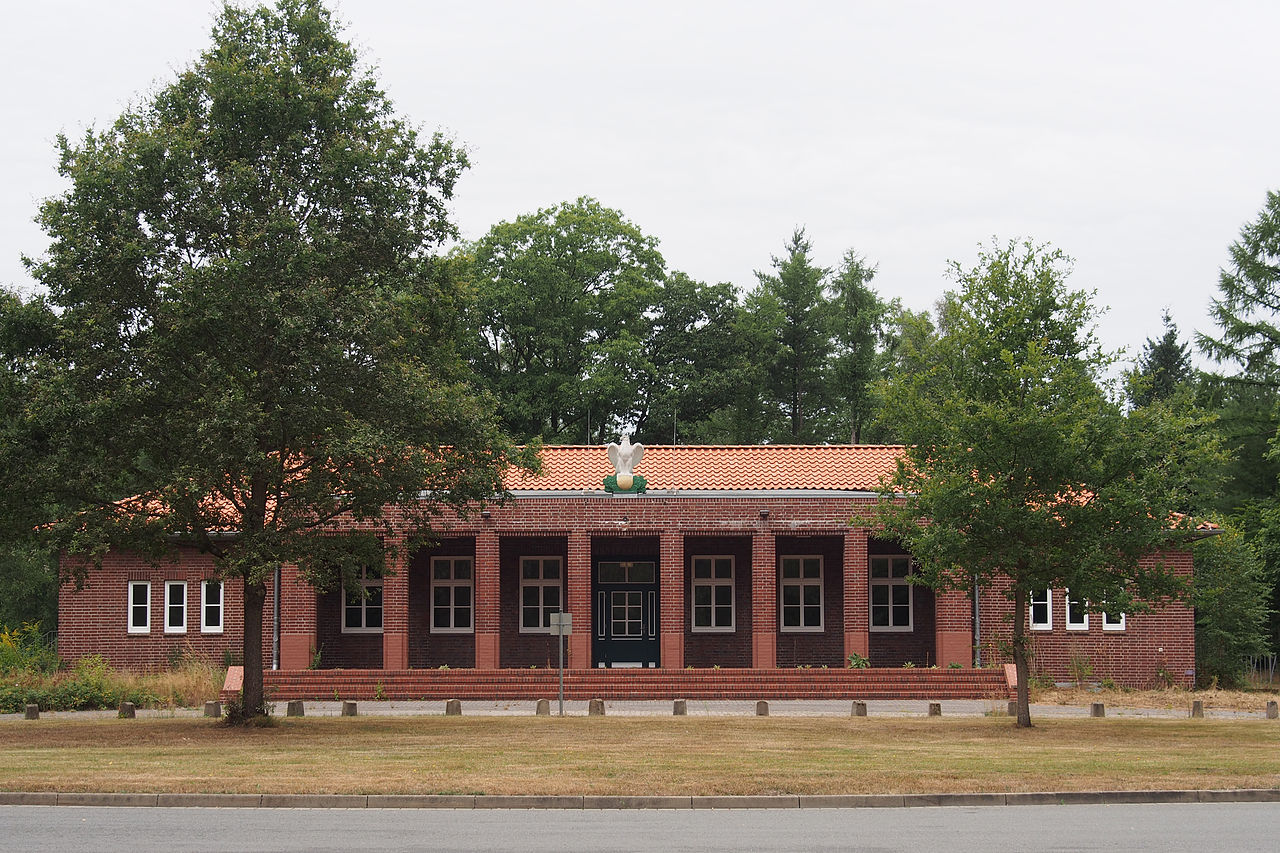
<point>628,756</point>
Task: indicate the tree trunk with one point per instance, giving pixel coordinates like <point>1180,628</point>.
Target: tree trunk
<point>255,596</point>
<point>1020,658</point>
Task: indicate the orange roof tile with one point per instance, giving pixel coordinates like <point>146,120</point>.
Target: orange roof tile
<point>688,467</point>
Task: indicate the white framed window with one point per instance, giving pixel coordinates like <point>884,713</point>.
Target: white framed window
<point>211,607</point>
<point>362,607</point>
<point>1077,612</point>
<point>1112,622</point>
<point>891,594</point>
<point>175,607</point>
<point>712,593</point>
<point>139,607</point>
<point>451,595</point>
<point>1041,610</point>
<point>800,592</point>
<point>541,592</point>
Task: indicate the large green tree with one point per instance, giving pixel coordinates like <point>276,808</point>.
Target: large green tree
<point>796,360</point>
<point>859,325</point>
<point>1163,369</point>
<point>1248,301</point>
<point>560,318</point>
<point>1022,472</point>
<point>251,339</point>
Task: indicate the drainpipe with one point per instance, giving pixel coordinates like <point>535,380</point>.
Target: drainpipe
<point>275,626</point>
<point>977,626</point>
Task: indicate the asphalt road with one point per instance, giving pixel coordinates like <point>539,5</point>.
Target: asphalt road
<point>1196,828</point>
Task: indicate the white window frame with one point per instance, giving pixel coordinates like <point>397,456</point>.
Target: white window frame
<point>712,583</point>
<point>171,627</point>
<point>1047,603</point>
<point>803,583</point>
<point>1109,624</point>
<point>146,608</point>
<point>367,582</point>
<point>541,583</point>
<point>1081,605</point>
<point>207,627</point>
<point>452,583</point>
<point>890,582</point>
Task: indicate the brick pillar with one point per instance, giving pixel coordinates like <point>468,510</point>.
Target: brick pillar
<point>578,599</point>
<point>764,600</point>
<point>953,628</point>
<point>488,600</point>
<point>857,604</point>
<point>671,592</point>
<point>395,609</point>
<point>297,620</point>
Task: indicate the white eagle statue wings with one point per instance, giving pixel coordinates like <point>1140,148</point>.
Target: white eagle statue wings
<point>625,456</point>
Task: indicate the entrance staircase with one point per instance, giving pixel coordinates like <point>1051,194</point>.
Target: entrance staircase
<point>620,684</point>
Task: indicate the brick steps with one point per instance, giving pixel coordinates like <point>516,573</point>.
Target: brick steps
<point>620,684</point>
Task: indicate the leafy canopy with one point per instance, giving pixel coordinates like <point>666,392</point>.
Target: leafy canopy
<point>249,329</point>
<point>1022,470</point>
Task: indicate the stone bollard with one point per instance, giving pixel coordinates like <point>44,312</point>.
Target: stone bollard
<point>1273,711</point>
<point>1197,708</point>
<point>213,709</point>
<point>348,709</point>
<point>1013,707</point>
<point>294,708</point>
<point>31,712</point>
<point>453,708</point>
<point>543,708</point>
<point>595,708</point>
<point>859,709</point>
<point>762,708</point>
<point>128,711</point>
<point>935,709</point>
<point>1097,709</point>
<point>679,708</point>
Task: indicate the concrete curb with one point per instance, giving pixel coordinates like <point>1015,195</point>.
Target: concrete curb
<point>594,802</point>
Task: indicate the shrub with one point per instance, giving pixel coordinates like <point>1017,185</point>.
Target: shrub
<point>24,649</point>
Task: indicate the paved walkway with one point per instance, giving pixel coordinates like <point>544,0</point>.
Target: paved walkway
<point>696,708</point>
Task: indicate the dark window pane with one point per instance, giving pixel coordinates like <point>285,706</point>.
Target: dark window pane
<point>724,568</point>
<point>529,569</point>
<point>812,594</point>
<point>791,617</point>
<point>790,595</point>
<point>702,568</point>
<point>373,617</point>
<point>551,597</point>
<point>462,618</point>
<point>642,573</point>
<point>724,595</point>
<point>462,596</point>
<point>551,570</point>
<point>812,616</point>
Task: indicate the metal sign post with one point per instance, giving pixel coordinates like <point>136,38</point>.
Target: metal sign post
<point>561,626</point>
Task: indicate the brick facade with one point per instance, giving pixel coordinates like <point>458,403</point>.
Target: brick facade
<point>756,530</point>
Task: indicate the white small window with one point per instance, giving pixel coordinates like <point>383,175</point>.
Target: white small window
<point>1077,613</point>
<point>139,607</point>
<point>1042,610</point>
<point>451,599</point>
<point>1112,622</point>
<point>541,593</point>
<point>211,607</point>
<point>712,593</point>
<point>800,593</point>
<point>175,607</point>
<point>362,607</point>
<point>891,594</point>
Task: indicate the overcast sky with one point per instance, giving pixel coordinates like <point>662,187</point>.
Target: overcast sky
<point>1137,137</point>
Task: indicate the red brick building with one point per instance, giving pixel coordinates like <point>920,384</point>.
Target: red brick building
<point>759,557</point>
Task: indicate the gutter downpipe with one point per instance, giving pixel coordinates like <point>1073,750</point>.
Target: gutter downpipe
<point>977,626</point>
<point>275,622</point>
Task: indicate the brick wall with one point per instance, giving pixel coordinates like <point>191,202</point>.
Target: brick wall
<point>1161,640</point>
<point>93,619</point>
<point>584,528</point>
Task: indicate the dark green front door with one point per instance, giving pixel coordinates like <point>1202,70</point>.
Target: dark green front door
<point>625,596</point>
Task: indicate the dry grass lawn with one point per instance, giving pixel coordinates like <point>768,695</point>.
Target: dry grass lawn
<point>1173,698</point>
<point>616,755</point>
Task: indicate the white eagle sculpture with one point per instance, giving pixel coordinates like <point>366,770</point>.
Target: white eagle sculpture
<point>625,456</point>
